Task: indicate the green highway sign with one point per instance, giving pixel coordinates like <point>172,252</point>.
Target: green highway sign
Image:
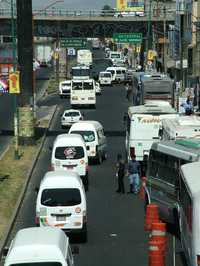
<point>127,37</point>
<point>73,43</point>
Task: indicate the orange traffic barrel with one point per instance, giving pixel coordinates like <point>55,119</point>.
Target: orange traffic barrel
<point>151,216</point>
<point>158,233</point>
<point>156,256</point>
<point>142,188</point>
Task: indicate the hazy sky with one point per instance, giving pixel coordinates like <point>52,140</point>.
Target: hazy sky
<point>75,4</point>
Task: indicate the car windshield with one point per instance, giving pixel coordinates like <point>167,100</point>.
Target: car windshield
<point>111,71</point>
<point>88,136</point>
<point>61,197</point>
<point>88,86</point>
<point>69,114</point>
<point>69,152</point>
<point>105,75</point>
<point>77,85</point>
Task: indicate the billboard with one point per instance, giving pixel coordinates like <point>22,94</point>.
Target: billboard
<point>130,5</point>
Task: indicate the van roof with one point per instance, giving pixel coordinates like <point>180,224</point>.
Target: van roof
<point>190,173</point>
<point>65,139</point>
<point>61,179</point>
<point>85,125</point>
<point>115,68</point>
<point>82,80</point>
<point>150,108</point>
<point>37,244</point>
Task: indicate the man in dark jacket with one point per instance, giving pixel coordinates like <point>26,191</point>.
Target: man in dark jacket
<point>120,173</point>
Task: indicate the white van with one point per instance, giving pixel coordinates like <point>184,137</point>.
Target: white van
<point>40,246</point>
<point>65,88</point>
<point>69,153</point>
<point>93,134</point>
<point>105,78</point>
<point>61,202</point>
<point>118,73</point>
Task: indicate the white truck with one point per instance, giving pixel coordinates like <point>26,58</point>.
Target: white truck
<point>143,127</point>
<point>84,57</point>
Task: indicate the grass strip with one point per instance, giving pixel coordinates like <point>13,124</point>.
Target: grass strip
<point>13,174</point>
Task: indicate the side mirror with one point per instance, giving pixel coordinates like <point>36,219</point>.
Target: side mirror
<point>160,133</point>
<point>5,252</point>
<point>75,250</point>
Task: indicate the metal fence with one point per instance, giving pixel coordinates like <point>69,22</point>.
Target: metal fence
<point>95,13</point>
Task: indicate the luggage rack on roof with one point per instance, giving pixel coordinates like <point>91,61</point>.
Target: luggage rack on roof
<point>190,143</point>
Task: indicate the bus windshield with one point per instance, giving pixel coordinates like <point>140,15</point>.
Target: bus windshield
<point>88,86</point>
<point>80,72</point>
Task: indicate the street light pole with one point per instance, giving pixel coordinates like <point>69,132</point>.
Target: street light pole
<point>164,42</point>
<point>148,33</point>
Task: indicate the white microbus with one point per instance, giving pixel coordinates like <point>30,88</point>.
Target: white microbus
<point>181,127</point>
<point>189,212</point>
<point>83,92</point>
<point>143,127</point>
<point>163,174</point>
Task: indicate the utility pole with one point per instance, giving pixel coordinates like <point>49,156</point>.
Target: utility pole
<point>57,59</point>
<point>181,53</point>
<point>148,41</point>
<point>164,43</point>
<point>25,61</point>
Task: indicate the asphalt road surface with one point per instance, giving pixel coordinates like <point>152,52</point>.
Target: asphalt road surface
<point>7,107</point>
<point>115,222</point>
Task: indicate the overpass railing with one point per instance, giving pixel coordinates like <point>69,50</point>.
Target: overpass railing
<point>95,13</point>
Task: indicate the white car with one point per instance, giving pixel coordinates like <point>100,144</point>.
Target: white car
<point>97,88</point>
<point>65,88</point>
<point>105,78</point>
<point>70,117</point>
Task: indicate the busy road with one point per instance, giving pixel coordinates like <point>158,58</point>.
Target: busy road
<point>115,221</point>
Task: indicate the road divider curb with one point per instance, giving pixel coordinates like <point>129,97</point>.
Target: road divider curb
<point>22,194</point>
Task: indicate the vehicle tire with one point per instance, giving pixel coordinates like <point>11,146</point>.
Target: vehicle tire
<point>99,158</point>
<point>94,106</point>
<point>84,236</point>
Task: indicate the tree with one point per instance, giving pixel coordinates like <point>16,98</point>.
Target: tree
<point>107,11</point>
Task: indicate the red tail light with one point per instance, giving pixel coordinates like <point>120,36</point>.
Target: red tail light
<point>132,151</point>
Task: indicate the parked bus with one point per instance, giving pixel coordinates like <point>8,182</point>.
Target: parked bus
<point>143,125</point>
<point>189,210</point>
<point>181,127</point>
<point>163,174</point>
<point>83,92</point>
<point>158,87</point>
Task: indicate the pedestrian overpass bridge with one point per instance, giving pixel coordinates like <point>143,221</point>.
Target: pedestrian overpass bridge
<point>64,23</point>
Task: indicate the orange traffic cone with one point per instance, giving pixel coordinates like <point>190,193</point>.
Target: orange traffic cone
<point>156,256</point>
<point>158,233</point>
<point>142,188</point>
<point>151,216</point>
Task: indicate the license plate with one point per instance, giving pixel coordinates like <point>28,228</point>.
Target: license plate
<point>69,167</point>
<point>61,218</point>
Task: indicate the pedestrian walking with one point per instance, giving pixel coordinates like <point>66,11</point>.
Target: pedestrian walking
<point>120,173</point>
<point>134,173</point>
<point>128,91</point>
<point>188,106</point>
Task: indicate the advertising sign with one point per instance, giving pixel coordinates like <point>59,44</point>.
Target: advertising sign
<point>14,82</point>
<point>130,5</point>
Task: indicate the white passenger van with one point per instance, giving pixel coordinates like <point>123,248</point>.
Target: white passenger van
<point>61,202</point>
<point>105,78</point>
<point>93,134</point>
<point>69,153</point>
<point>83,92</point>
<point>118,73</point>
<point>181,127</point>
<point>40,246</point>
<point>143,127</point>
<point>189,210</point>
